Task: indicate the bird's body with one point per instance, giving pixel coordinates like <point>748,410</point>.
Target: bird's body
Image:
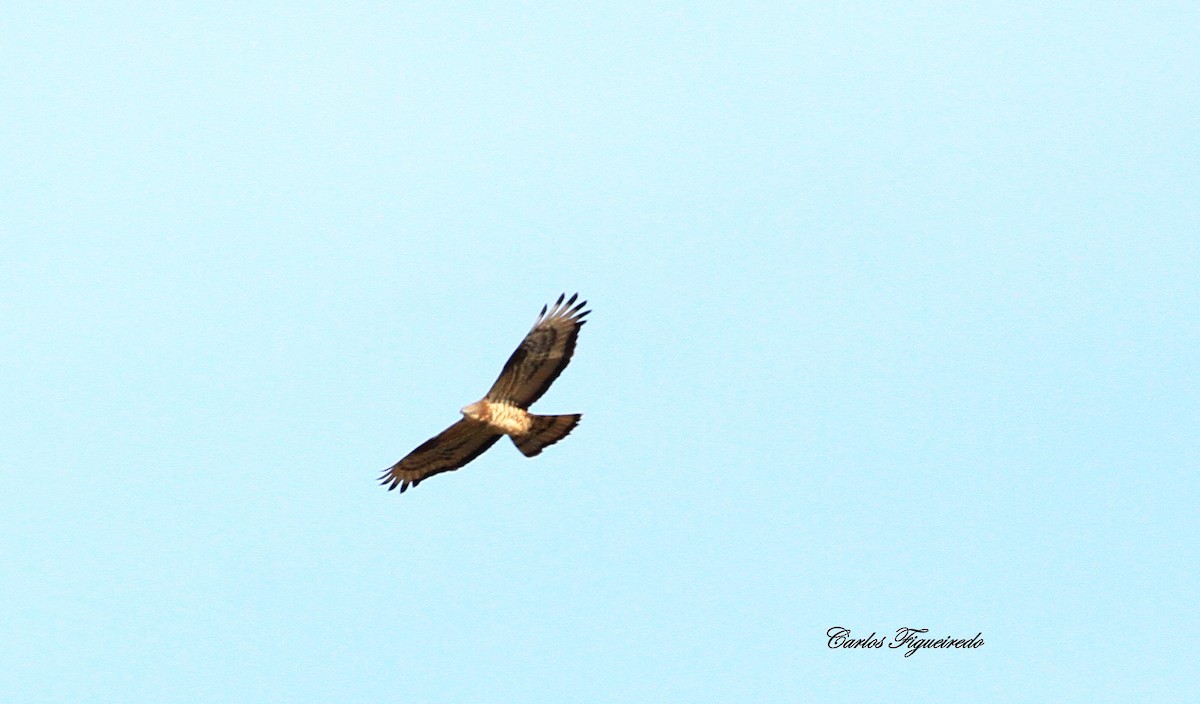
<point>502,417</point>
<point>535,364</point>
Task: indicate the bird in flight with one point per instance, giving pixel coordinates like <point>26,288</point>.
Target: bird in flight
<point>504,410</point>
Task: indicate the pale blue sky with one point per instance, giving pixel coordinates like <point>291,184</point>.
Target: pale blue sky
<point>896,311</point>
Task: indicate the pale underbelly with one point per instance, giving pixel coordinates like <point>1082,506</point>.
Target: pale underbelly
<point>509,419</point>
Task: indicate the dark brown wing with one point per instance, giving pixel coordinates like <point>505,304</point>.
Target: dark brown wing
<point>451,449</point>
<point>542,355</point>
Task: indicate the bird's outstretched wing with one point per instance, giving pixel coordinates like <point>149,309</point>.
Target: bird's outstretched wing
<point>452,448</point>
<point>542,355</point>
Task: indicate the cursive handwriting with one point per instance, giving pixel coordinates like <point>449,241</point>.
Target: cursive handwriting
<point>908,638</point>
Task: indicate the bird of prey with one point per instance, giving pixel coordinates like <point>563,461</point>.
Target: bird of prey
<point>535,364</point>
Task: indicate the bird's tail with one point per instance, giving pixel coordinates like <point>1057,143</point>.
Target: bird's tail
<point>545,431</point>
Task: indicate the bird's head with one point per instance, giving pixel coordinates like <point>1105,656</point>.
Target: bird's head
<point>476,411</point>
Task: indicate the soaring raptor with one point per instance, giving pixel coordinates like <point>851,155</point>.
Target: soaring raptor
<point>536,363</point>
